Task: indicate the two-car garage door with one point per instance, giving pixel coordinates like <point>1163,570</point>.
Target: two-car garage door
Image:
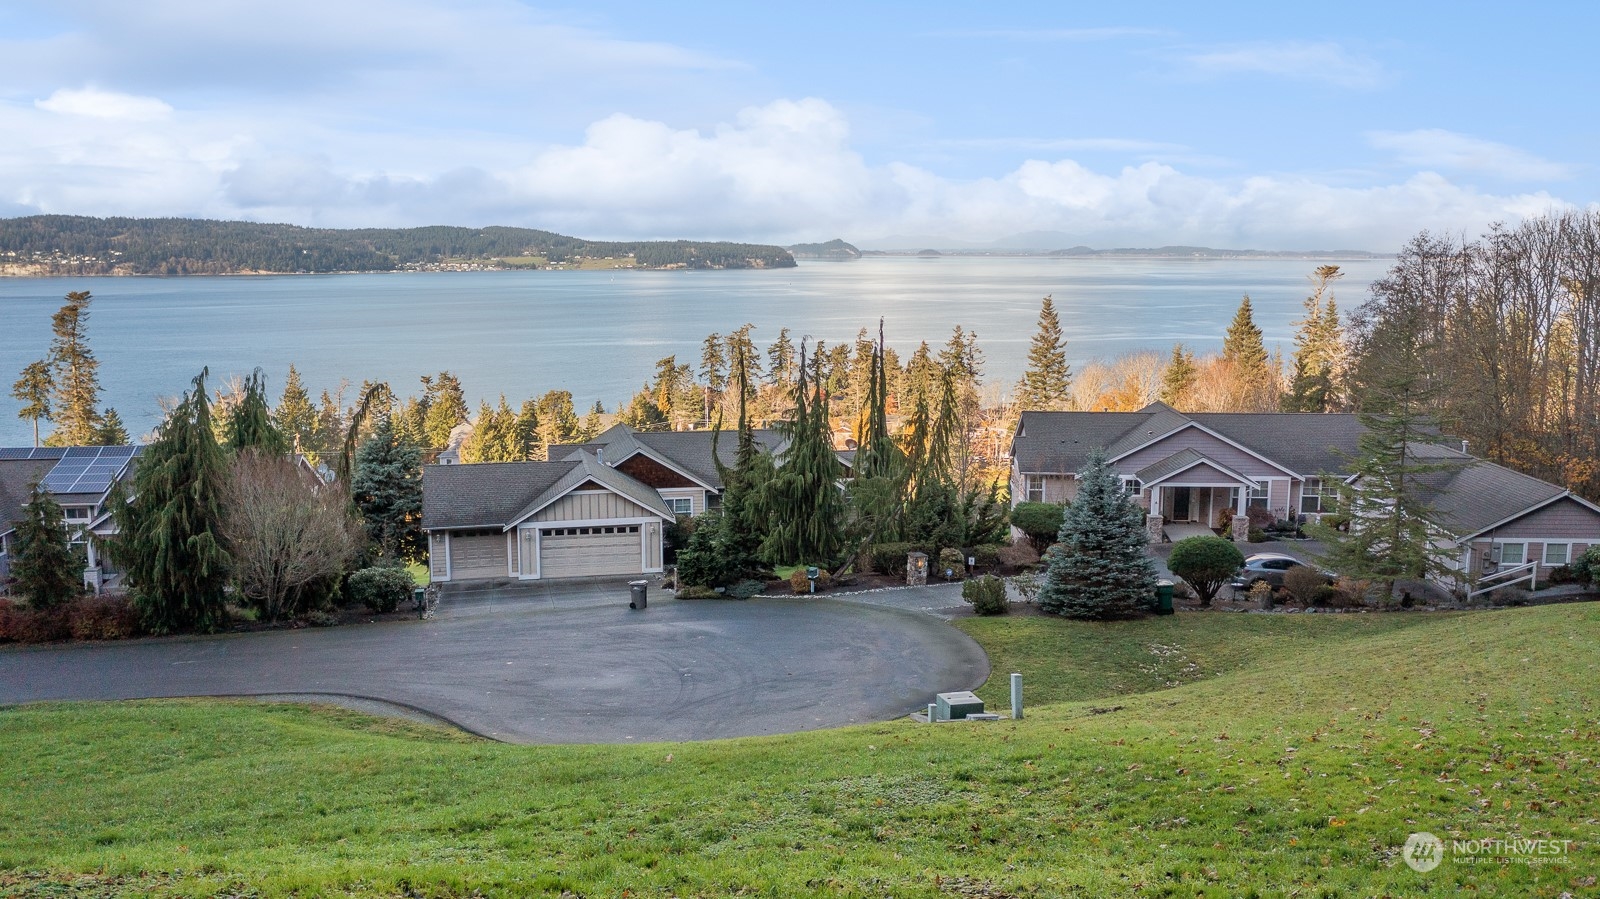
<point>589,551</point>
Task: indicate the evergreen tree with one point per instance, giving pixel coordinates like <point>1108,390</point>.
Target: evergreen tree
<point>112,430</point>
<point>593,423</point>
<point>1047,379</point>
<point>781,361</point>
<point>1318,349</point>
<point>33,390</point>
<point>1099,568</point>
<point>387,489</point>
<point>447,408</point>
<point>75,373</point>
<point>1391,529</point>
<point>250,421</point>
<point>169,529</point>
<point>527,428</point>
<point>877,492</point>
<point>802,500</point>
<point>295,416</point>
<point>1242,347</point>
<point>47,572</point>
<point>642,414</point>
<point>1178,377</point>
<point>330,428</point>
<point>558,421</point>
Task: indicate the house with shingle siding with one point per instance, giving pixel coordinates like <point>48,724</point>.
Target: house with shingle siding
<point>1197,468</point>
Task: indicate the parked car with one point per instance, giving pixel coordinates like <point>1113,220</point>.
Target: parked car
<point>1269,568</point>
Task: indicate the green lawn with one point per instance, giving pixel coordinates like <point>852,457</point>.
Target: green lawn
<point>1293,756</point>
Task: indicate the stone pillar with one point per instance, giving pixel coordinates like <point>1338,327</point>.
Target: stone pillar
<point>1241,529</point>
<point>1153,525</point>
<point>916,569</point>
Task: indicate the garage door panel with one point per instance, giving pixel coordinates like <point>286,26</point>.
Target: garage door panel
<point>589,551</point>
<point>477,557</point>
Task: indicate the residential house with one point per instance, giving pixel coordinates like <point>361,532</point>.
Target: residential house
<point>1194,469</point>
<point>80,479</point>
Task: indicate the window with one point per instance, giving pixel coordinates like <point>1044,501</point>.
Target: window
<point>1318,495</point>
<point>1132,486</point>
<point>76,513</point>
<point>1557,553</point>
<point>681,505</point>
<point>1260,493</point>
<point>1033,488</point>
<point>1508,553</point>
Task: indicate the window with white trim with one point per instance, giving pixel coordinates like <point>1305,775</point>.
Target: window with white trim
<point>1131,485</point>
<point>1508,553</point>
<point>1260,494</point>
<point>76,513</point>
<point>681,505</point>
<point>1318,495</point>
<point>1557,553</point>
<point>1033,488</point>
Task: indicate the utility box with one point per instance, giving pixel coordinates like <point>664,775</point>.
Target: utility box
<point>955,706</point>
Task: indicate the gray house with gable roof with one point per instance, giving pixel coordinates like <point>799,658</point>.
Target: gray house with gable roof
<point>1194,468</point>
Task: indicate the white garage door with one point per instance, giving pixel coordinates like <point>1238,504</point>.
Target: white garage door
<point>589,551</point>
<point>477,556</point>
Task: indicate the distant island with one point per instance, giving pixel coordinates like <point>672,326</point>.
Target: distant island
<point>54,245</point>
<point>833,249</point>
<point>1176,252</point>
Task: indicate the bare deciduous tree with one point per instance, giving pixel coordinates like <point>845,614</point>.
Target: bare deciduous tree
<point>284,530</point>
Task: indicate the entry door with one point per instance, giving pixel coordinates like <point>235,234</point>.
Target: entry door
<point>1180,503</point>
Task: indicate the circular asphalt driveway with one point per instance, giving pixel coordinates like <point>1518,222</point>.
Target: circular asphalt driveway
<point>529,672</point>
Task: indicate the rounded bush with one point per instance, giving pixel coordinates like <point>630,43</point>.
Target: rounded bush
<point>1205,563</point>
<point>381,589</point>
<point>986,593</point>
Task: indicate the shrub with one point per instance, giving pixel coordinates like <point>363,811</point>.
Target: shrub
<point>319,618</point>
<point>1586,568</point>
<point>1019,555</point>
<point>798,582</point>
<point>102,618</point>
<point>1349,593</point>
<point>381,589</point>
<point>695,591</point>
<point>1260,517</point>
<point>1261,594</point>
<point>890,558</point>
<point>1205,563</point>
<point>1040,521</point>
<point>1510,596</point>
<point>1027,584</point>
<point>953,561</point>
<point>987,555</point>
<point>986,593</point>
<point>824,580</point>
<point>749,587</point>
<point>1303,583</point>
<point>1257,535</point>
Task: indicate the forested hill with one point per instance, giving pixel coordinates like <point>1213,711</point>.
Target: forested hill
<point>79,245</point>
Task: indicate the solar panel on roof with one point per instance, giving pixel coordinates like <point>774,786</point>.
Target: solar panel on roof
<point>87,469</point>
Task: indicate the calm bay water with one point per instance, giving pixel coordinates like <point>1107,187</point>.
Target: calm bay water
<point>598,334</point>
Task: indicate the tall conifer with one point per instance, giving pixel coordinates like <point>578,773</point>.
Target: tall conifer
<point>75,373</point>
<point>1047,379</point>
<point>33,389</point>
<point>1099,569</point>
<point>46,571</point>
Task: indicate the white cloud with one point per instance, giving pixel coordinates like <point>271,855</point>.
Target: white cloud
<point>1064,35</point>
<point>1067,144</point>
<point>1300,60</point>
<point>1437,148</point>
<point>781,171</point>
<point>99,104</point>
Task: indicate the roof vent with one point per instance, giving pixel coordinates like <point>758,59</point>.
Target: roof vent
<point>1463,447</point>
<point>600,454</point>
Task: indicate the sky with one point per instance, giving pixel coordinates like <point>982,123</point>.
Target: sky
<point>1273,126</point>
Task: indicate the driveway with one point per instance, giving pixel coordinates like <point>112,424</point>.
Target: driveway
<point>538,667</point>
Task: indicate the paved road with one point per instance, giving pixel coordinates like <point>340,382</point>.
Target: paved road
<point>535,669</point>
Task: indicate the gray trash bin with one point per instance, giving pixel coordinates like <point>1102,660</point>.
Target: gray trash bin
<point>638,589</point>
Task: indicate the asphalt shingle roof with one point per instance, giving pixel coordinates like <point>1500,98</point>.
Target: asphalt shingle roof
<point>688,451</point>
<point>17,477</point>
<point>487,494</point>
<point>1179,461</point>
<point>1473,494</point>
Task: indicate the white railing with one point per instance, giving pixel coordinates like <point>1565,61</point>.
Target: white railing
<point>1528,571</point>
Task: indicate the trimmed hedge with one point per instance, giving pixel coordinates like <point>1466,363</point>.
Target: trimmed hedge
<point>986,593</point>
<point>890,558</point>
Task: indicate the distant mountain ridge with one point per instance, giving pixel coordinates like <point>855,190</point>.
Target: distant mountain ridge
<point>44,245</point>
<point>833,249</point>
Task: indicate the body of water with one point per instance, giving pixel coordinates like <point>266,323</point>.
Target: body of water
<point>598,334</point>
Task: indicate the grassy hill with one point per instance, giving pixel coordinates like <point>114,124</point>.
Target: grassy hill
<point>1201,755</point>
<point>81,245</point>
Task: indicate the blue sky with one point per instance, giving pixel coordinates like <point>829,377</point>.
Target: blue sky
<point>1278,126</point>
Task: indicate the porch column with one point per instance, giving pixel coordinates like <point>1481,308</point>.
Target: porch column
<point>1155,500</point>
<point>1244,499</point>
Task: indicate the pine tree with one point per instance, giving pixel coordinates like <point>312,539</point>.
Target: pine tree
<point>1242,347</point>
<point>802,501</point>
<point>1319,349</point>
<point>642,414</point>
<point>447,408</point>
<point>593,423</point>
<point>75,372</point>
<point>1391,530</point>
<point>387,489</point>
<point>528,441</point>
<point>33,390</point>
<point>1178,377</point>
<point>877,492</point>
<point>250,423</point>
<point>46,571</point>
<point>1047,379</point>
<point>780,361</point>
<point>295,416</point>
<point>1099,568</point>
<point>169,528</point>
<point>112,430</point>
<point>558,420</point>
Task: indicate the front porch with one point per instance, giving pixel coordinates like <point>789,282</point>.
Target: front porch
<point>1202,504</point>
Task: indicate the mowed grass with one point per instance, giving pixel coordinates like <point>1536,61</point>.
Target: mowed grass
<point>1293,757</point>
